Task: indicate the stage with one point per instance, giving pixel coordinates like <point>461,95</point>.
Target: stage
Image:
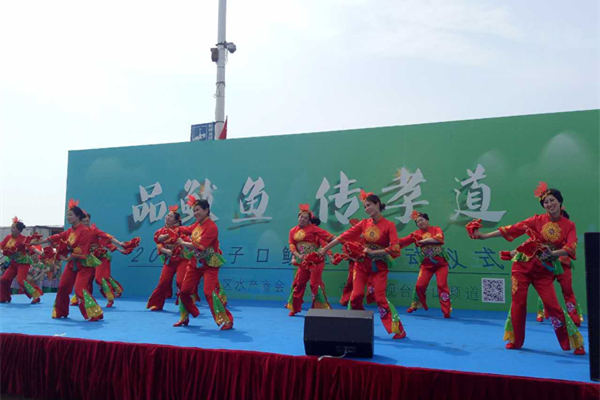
<point>470,342</point>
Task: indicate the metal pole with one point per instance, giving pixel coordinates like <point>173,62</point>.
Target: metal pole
<point>220,94</point>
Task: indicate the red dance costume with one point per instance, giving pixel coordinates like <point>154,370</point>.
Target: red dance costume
<point>174,265</point>
<point>290,303</point>
<point>560,234</point>
<point>78,272</point>
<point>347,289</point>
<point>433,262</point>
<point>101,248</point>
<point>16,249</point>
<point>306,241</point>
<point>206,263</point>
<point>565,280</point>
<point>377,236</point>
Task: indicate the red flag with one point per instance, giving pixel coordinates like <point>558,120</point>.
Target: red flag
<point>223,134</point>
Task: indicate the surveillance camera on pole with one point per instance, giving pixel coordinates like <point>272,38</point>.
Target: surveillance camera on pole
<point>218,55</point>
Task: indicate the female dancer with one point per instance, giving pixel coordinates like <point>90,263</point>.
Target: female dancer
<point>174,261</point>
<point>204,236</point>
<point>17,247</point>
<point>39,268</point>
<point>74,248</point>
<point>347,289</point>
<point>102,244</point>
<point>381,246</point>
<point>551,236</point>
<point>429,240</point>
<point>304,239</point>
<point>290,302</point>
<point>565,281</point>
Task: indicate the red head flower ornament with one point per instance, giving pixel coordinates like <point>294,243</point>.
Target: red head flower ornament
<point>305,208</point>
<point>541,191</point>
<point>15,220</point>
<point>414,215</point>
<point>174,208</point>
<point>73,203</point>
<point>191,200</point>
<point>363,195</point>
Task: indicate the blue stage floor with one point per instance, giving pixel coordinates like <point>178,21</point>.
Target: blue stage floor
<point>470,341</point>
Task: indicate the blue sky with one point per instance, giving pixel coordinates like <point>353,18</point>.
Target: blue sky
<point>79,75</point>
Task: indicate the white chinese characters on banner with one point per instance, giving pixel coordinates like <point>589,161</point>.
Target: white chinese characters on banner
<point>156,212</point>
<point>191,187</point>
<point>344,197</point>
<point>409,190</point>
<point>255,201</point>
<point>479,196</point>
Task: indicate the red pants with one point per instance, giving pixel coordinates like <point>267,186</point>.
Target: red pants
<point>79,278</point>
<point>165,283</point>
<point>103,273</point>
<point>211,287</point>
<point>290,303</point>
<point>533,272</point>
<point>441,275</point>
<point>89,288</point>
<point>18,270</point>
<point>565,281</point>
<point>316,282</point>
<point>347,290</point>
<point>362,273</point>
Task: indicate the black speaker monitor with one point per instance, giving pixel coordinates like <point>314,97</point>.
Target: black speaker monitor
<point>339,332</point>
<point>592,280</point>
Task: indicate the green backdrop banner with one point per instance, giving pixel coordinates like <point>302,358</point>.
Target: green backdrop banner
<point>453,171</point>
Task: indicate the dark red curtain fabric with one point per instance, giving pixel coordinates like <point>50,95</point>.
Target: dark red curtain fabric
<point>43,367</point>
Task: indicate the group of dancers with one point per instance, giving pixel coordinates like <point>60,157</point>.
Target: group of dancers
<point>86,251</point>
<point>191,253</point>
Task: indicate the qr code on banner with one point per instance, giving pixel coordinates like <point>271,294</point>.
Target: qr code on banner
<point>493,290</point>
